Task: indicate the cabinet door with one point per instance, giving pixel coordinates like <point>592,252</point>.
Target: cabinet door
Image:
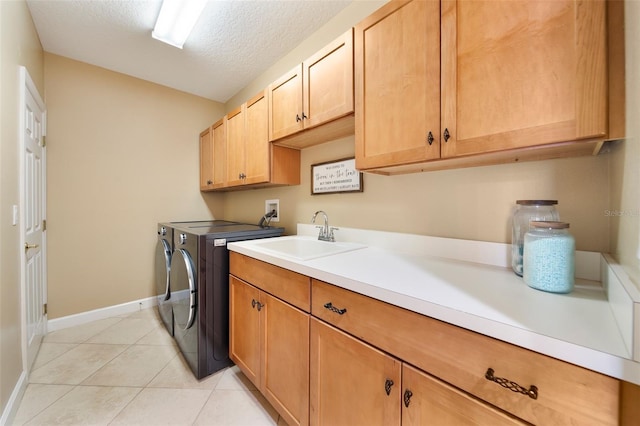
<point>206,160</point>
<point>235,147</point>
<point>257,145</point>
<point>285,368</point>
<point>348,381</point>
<point>219,136</point>
<point>244,329</point>
<point>536,75</point>
<point>285,104</point>
<point>328,82</point>
<point>429,401</point>
<point>397,84</point>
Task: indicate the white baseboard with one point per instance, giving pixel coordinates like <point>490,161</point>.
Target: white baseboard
<point>102,313</point>
<point>9,412</point>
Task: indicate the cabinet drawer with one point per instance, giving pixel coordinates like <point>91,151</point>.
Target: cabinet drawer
<point>430,401</point>
<point>282,283</point>
<point>566,394</point>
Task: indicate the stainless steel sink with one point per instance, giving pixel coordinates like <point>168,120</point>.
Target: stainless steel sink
<point>305,248</point>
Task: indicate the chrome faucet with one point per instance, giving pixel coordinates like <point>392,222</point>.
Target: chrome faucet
<point>326,232</point>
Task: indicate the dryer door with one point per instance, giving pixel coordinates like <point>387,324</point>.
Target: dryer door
<point>163,267</point>
<point>183,289</point>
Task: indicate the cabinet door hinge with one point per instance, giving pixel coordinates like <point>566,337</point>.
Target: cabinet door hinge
<point>44,309</point>
<point>44,225</point>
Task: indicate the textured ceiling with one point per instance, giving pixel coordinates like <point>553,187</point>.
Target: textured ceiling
<point>233,42</point>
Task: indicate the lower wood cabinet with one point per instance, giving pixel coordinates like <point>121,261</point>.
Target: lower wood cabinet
<point>429,401</point>
<point>244,325</point>
<point>323,355</point>
<point>353,383</point>
<point>269,341</point>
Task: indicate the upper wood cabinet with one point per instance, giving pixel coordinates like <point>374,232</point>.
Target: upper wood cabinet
<point>235,146</point>
<point>219,141</point>
<point>213,143</point>
<point>536,75</point>
<point>457,87</point>
<point>242,153</point>
<point>206,160</point>
<point>248,148</point>
<point>397,84</point>
<point>285,102</point>
<point>318,91</point>
<point>257,165</point>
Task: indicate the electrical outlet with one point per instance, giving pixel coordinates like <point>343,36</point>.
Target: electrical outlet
<point>269,206</point>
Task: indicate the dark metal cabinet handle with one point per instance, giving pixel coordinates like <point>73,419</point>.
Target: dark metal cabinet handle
<point>387,386</point>
<point>332,308</point>
<point>446,135</point>
<point>407,397</point>
<point>298,119</point>
<point>430,138</point>
<point>209,182</point>
<point>256,304</point>
<point>304,116</point>
<point>532,392</point>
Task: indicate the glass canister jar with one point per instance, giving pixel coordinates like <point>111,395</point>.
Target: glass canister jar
<point>526,212</point>
<point>549,257</point>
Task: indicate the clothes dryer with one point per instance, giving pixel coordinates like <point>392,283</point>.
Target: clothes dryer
<point>199,294</point>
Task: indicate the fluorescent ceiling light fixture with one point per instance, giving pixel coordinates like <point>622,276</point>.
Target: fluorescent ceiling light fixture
<point>176,20</point>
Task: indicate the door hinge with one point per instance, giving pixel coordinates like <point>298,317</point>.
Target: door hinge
<point>44,309</point>
<point>44,225</point>
<point>44,141</point>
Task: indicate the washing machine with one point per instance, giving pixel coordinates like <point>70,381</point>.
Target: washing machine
<point>199,293</point>
<point>164,251</point>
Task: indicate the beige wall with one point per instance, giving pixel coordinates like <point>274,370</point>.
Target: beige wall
<point>471,203</point>
<point>122,155</point>
<point>625,164</point>
<point>19,45</point>
<point>344,20</point>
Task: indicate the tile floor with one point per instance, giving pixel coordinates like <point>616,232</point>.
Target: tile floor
<point>126,370</point>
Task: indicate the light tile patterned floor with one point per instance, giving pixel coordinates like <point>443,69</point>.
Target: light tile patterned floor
<point>127,371</point>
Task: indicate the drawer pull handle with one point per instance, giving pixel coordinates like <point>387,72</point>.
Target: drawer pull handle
<point>332,308</point>
<point>532,392</point>
<point>407,397</point>
<point>387,386</point>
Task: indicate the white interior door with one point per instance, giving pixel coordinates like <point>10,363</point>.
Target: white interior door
<point>32,220</point>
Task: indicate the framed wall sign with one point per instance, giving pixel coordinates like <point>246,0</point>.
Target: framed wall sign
<point>336,176</point>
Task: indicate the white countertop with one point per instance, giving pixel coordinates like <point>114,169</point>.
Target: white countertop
<point>579,327</point>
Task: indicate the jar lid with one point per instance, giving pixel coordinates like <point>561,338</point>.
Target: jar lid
<point>549,224</point>
<point>537,202</point>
